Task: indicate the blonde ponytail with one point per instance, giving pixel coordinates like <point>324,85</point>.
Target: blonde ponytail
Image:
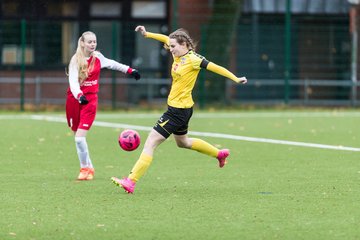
<point>80,59</point>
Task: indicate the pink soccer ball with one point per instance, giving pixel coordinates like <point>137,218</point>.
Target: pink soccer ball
<point>129,140</point>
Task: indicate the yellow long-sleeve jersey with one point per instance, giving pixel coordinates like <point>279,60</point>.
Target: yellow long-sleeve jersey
<point>184,72</point>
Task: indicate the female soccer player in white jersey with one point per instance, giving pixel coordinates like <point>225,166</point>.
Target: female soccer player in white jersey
<point>185,69</point>
<point>82,98</point>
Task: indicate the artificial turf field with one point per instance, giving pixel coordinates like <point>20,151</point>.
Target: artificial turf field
<point>266,191</point>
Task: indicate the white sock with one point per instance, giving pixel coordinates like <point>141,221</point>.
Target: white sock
<point>88,160</point>
<point>83,152</point>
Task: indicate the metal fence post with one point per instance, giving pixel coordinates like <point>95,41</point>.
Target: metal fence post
<point>22,78</point>
<point>201,77</point>
<point>37,91</point>
<point>306,93</point>
<point>175,15</point>
<point>287,51</point>
<point>354,52</point>
<point>115,55</point>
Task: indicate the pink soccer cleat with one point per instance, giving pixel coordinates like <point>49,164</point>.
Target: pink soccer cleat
<point>125,183</point>
<point>222,155</point>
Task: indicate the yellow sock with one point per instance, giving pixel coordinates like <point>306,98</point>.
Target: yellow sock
<point>204,147</point>
<point>140,167</point>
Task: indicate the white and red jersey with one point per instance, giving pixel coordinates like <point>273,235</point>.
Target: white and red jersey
<point>91,83</point>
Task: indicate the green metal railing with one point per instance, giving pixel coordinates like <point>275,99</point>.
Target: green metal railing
<point>291,48</point>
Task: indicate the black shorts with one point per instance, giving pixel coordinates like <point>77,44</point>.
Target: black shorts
<point>174,121</point>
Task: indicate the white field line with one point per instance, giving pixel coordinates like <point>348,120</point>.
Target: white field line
<point>208,134</point>
<point>333,114</point>
<point>324,114</point>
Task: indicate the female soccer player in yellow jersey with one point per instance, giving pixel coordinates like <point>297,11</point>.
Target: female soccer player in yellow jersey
<point>184,71</point>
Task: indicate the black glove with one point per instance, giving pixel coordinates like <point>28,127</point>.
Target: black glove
<point>83,100</point>
<point>135,74</point>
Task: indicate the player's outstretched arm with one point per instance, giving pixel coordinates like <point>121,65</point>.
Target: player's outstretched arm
<point>134,73</point>
<point>141,29</point>
<point>224,72</point>
<point>160,37</point>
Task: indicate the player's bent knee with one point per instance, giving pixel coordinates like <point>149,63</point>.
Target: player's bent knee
<point>183,145</point>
